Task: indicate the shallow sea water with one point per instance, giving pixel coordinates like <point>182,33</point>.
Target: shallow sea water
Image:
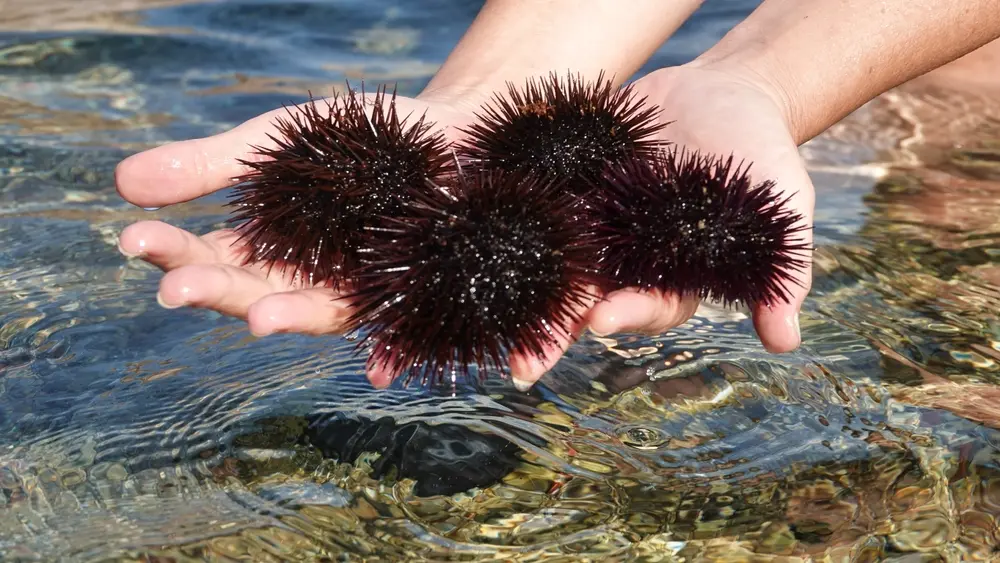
<point>133,433</point>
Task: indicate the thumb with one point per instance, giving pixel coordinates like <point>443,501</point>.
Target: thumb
<point>777,324</point>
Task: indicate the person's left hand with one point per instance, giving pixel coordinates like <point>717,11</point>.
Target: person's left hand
<point>720,112</point>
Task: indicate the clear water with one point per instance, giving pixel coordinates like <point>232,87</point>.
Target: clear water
<point>133,433</point>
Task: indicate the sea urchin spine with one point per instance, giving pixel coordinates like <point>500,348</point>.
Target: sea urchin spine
<point>305,202</point>
<point>484,264</point>
<point>569,129</point>
<point>696,224</point>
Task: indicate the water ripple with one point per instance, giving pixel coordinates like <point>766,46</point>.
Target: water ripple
<point>132,432</point>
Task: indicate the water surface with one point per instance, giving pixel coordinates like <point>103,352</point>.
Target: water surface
<point>133,433</point>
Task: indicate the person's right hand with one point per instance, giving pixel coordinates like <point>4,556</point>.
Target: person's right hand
<point>208,271</point>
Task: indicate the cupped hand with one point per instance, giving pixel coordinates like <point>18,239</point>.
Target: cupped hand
<point>720,112</point>
<point>723,113</point>
<point>210,271</point>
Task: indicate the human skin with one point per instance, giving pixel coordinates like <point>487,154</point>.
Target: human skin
<point>824,59</point>
<point>514,39</point>
<point>765,88</point>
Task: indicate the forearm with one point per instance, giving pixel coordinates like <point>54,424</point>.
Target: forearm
<point>824,59</point>
<point>514,39</point>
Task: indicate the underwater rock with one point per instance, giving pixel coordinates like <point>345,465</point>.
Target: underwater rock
<point>443,459</point>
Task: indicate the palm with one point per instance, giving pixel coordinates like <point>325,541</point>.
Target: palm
<point>716,113</point>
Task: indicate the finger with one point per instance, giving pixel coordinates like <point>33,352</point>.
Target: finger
<point>225,289</point>
<point>379,368</point>
<point>185,170</point>
<point>380,375</point>
<point>315,311</point>
<point>777,325</point>
<point>645,312</point>
<point>526,367</point>
<point>168,247</point>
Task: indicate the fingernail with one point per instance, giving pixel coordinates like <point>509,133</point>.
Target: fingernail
<point>253,319</point>
<point>793,322</point>
<point>261,333</point>
<point>609,323</point>
<point>128,254</point>
<point>521,385</point>
<point>164,304</point>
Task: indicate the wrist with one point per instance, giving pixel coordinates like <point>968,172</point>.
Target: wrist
<point>468,97</point>
<point>512,40</point>
<point>470,91</point>
<point>821,60</point>
<point>756,70</point>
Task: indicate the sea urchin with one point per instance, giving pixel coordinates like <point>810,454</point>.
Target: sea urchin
<point>695,224</point>
<point>569,129</point>
<point>486,263</point>
<point>305,202</point>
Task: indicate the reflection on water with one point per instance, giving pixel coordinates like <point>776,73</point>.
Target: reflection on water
<point>128,432</point>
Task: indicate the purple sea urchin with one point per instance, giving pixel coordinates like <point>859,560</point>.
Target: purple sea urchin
<point>489,262</point>
<point>696,224</point>
<point>449,268</point>
<point>568,128</point>
<point>305,202</point>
